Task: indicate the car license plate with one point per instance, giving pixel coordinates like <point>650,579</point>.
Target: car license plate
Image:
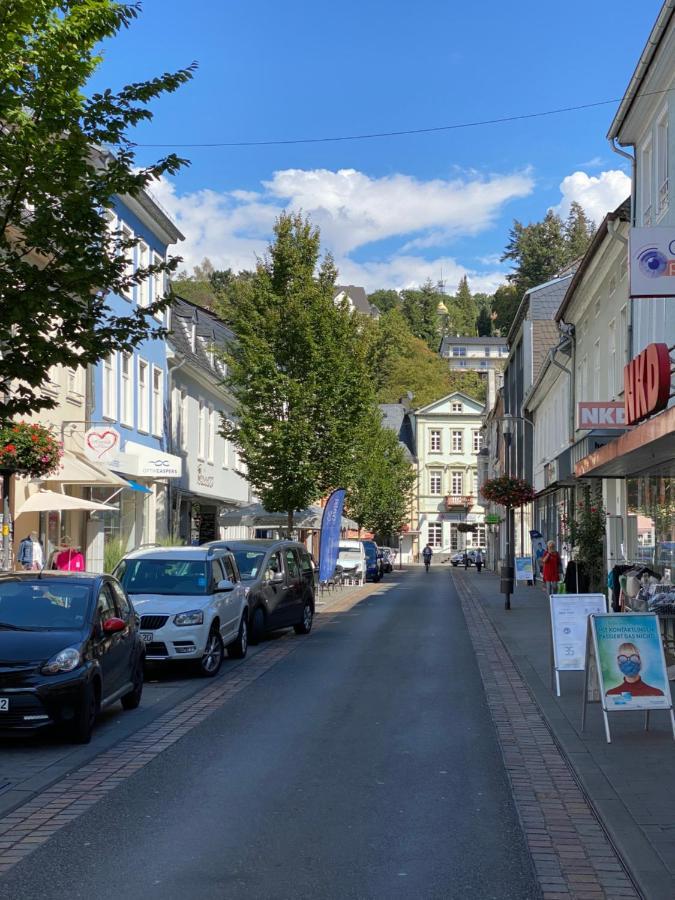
<point>147,636</point>
<point>4,704</point>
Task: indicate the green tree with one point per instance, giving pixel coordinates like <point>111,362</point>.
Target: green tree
<point>462,311</point>
<point>297,371</point>
<point>579,231</point>
<point>420,308</point>
<point>505,305</point>
<point>538,251</point>
<point>59,259</point>
<point>484,322</point>
<point>385,300</point>
<point>379,494</point>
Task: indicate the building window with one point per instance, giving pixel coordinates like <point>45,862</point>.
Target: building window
<point>211,446</point>
<point>183,419</point>
<point>646,184</point>
<point>456,407</point>
<point>454,537</point>
<point>143,398</point>
<point>203,425</point>
<point>436,482</point>
<point>73,382</point>
<point>504,351</point>
<point>435,441</point>
<point>158,288</point>
<point>476,441</point>
<point>611,371</point>
<point>457,484</point>
<point>462,363</point>
<point>459,351</point>
<point>435,534</point>
<point>127,389</point>
<point>662,163</point>
<point>488,351</point>
<point>144,286</point>
<point>109,388</point>
<point>623,268</point>
<point>157,401</point>
<point>457,442</point>
<point>596,370</point>
<point>483,364</point>
<point>127,235</point>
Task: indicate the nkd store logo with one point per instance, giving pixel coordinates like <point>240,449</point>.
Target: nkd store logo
<point>600,414</point>
<point>646,381</point>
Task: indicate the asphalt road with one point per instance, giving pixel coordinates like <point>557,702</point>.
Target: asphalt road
<point>363,765</point>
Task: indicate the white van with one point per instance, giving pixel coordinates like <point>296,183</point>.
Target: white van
<point>352,558</point>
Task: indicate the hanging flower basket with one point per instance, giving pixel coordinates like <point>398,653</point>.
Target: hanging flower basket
<point>28,449</point>
<point>508,491</point>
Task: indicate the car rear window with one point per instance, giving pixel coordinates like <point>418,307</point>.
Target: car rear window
<point>249,563</point>
<point>43,605</point>
<point>165,576</point>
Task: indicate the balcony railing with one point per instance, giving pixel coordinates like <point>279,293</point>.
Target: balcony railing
<point>452,501</point>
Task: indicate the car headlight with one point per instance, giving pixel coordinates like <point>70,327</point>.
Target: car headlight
<point>193,617</point>
<point>64,661</point>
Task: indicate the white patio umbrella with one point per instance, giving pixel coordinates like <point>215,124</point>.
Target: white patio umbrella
<point>45,501</point>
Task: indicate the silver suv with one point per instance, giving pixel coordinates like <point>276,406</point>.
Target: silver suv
<point>191,603</point>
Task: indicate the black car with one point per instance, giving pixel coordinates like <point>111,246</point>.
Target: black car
<point>69,646</point>
<point>279,576</point>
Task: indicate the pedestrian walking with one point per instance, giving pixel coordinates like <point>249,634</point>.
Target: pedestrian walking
<point>479,560</point>
<point>427,553</point>
<point>552,567</point>
<point>466,561</point>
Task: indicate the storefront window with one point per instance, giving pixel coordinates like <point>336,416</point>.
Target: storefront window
<point>652,500</point>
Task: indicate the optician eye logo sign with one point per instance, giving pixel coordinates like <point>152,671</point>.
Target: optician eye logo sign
<point>652,262</point>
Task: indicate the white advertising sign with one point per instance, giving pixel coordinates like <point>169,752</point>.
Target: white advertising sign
<point>153,463</point>
<point>600,414</point>
<point>652,262</point>
<point>102,445</point>
<point>569,625</point>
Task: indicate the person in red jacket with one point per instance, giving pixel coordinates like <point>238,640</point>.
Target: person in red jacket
<point>552,567</point>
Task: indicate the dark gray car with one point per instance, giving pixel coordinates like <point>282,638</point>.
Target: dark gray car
<point>279,578</point>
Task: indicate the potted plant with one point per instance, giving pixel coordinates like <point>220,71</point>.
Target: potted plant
<point>584,533</point>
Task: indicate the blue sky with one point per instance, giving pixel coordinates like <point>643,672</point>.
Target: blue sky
<point>393,210</point>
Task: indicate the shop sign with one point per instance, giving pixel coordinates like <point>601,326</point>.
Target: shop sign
<point>493,519</point>
<point>646,381</point>
<point>600,414</point>
<point>153,463</point>
<point>625,654</point>
<point>652,262</point>
<point>102,445</point>
<point>203,479</point>
<point>569,624</point>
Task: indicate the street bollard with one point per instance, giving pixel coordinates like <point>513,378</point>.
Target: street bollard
<point>506,584</point>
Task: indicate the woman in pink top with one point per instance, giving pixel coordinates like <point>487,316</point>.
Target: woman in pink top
<point>69,560</point>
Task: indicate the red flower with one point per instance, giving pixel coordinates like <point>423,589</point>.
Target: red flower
<point>11,448</point>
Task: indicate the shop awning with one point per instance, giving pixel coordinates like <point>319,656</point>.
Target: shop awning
<point>75,469</point>
<point>46,501</point>
<point>647,449</point>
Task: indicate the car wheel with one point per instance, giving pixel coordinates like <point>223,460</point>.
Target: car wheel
<point>212,660</point>
<point>237,649</point>
<point>305,626</point>
<point>257,627</point>
<point>86,715</point>
<point>133,698</point>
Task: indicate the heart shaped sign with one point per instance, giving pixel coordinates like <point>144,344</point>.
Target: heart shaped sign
<point>102,442</point>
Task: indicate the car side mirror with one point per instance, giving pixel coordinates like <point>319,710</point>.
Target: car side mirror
<point>225,585</point>
<point>277,578</point>
<point>114,626</point>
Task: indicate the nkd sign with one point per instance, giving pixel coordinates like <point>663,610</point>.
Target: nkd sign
<point>646,383</point>
<point>600,414</point>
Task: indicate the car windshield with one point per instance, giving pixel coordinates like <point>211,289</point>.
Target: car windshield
<point>47,604</point>
<point>164,576</point>
<point>350,553</point>
<point>371,552</point>
<point>249,562</point>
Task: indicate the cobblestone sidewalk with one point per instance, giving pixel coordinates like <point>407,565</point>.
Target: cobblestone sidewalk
<point>572,855</point>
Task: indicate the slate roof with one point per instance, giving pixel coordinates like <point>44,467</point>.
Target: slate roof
<point>541,301</point>
<point>358,297</point>
<point>209,330</point>
<point>395,416</point>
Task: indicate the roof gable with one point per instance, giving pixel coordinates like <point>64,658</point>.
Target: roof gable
<point>444,405</point>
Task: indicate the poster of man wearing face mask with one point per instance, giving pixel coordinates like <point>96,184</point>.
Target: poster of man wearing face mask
<point>631,664</point>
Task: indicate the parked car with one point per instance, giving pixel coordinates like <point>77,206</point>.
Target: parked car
<point>192,604</point>
<point>352,559</point>
<point>70,647</point>
<point>279,583</point>
<point>457,559</point>
<point>373,561</point>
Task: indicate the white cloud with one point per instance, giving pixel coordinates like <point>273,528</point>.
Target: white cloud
<point>598,194</point>
<point>353,211</point>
